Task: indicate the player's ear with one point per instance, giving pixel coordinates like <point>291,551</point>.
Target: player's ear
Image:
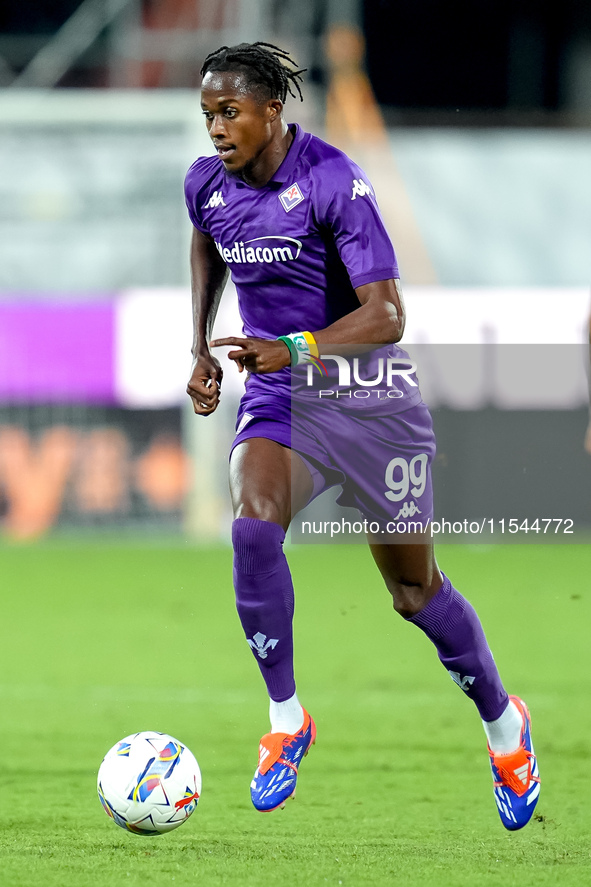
<point>274,109</point>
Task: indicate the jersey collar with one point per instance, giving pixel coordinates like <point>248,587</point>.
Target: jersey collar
<point>285,171</point>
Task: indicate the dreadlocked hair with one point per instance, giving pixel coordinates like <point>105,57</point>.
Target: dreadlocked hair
<point>262,65</point>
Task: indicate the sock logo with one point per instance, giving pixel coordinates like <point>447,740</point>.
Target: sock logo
<point>463,682</point>
<point>259,644</point>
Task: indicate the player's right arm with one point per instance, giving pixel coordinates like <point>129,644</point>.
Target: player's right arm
<point>209,273</point>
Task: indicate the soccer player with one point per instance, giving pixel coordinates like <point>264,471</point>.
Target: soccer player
<point>296,223</point>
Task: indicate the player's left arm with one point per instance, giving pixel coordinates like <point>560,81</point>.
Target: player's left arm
<point>379,320</point>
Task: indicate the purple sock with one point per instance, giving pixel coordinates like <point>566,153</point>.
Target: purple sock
<point>452,624</point>
<point>265,601</point>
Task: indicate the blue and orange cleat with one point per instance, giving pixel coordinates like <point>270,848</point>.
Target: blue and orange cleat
<point>516,777</point>
<point>280,755</point>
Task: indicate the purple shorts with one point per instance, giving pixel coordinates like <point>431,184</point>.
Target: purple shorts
<point>382,463</point>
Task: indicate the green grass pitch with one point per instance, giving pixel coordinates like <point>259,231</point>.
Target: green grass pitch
<point>101,640</point>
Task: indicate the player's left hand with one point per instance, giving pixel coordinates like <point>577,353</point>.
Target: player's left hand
<point>256,355</point>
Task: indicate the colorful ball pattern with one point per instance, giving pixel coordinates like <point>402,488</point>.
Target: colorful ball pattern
<point>149,783</point>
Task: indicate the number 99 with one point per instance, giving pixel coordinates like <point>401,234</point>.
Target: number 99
<point>400,475</point>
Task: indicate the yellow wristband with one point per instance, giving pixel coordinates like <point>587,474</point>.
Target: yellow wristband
<point>312,344</point>
<point>302,347</point>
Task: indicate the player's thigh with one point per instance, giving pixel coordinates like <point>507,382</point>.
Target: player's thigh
<point>268,481</point>
<point>410,572</point>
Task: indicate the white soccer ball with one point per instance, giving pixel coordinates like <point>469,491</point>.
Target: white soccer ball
<point>149,783</point>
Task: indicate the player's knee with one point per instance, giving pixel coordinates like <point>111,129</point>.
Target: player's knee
<point>261,507</point>
<point>408,599</point>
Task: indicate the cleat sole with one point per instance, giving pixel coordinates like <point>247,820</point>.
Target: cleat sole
<point>280,806</point>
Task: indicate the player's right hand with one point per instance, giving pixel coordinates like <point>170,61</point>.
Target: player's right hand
<point>204,386</point>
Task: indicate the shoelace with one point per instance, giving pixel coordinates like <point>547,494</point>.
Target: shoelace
<point>509,778</point>
<point>265,759</point>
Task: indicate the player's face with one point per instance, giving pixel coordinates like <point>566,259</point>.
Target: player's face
<point>240,124</point>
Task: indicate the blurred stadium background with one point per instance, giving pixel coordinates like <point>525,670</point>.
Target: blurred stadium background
<point>473,125</point>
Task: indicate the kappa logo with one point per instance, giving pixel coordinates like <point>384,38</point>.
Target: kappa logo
<point>259,644</point>
<point>408,510</point>
<point>463,682</point>
<point>291,197</point>
<point>360,189</point>
<point>216,199</point>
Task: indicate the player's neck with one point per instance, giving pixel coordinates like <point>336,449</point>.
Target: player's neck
<point>264,167</point>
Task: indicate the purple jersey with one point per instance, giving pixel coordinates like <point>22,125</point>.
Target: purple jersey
<point>296,247</point>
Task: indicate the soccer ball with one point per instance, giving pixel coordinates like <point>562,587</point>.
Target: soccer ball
<point>149,783</point>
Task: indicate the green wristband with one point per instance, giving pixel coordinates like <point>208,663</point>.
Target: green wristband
<point>293,351</point>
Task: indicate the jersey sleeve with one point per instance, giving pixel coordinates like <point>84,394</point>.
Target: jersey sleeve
<point>350,212</point>
<point>196,182</point>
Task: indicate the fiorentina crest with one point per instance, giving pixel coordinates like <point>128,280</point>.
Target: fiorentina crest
<point>291,197</point>
<point>464,682</point>
<point>260,644</point>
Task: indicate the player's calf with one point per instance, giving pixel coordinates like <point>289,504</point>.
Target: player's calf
<point>265,600</point>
